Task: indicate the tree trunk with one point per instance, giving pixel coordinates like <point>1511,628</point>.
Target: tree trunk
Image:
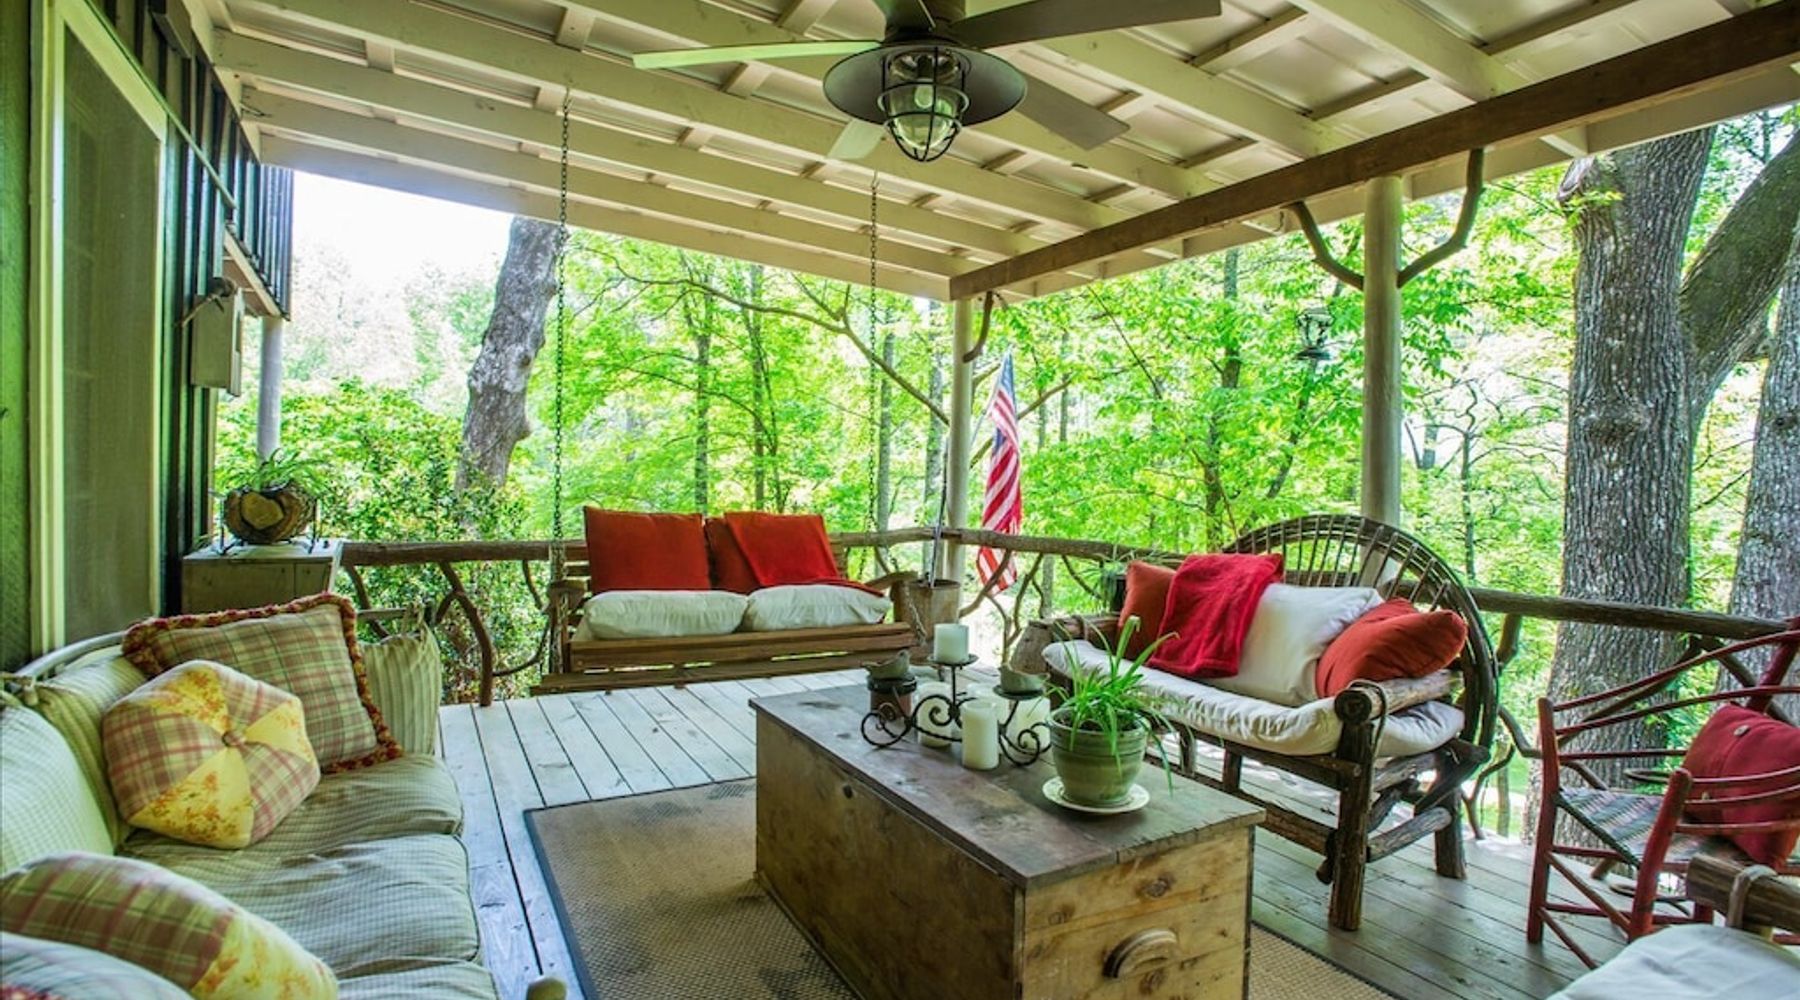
<point>764,452</point>
<point>1231,372</point>
<point>703,414</point>
<point>496,420</point>
<point>1630,451</point>
<point>1767,580</point>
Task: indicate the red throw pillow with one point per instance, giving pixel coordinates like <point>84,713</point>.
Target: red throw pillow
<point>1392,641</point>
<point>784,549</point>
<point>628,551</point>
<point>1146,593</point>
<point>730,570</point>
<point>1736,742</point>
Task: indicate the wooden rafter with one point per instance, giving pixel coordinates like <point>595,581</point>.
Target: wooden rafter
<point>1681,66</point>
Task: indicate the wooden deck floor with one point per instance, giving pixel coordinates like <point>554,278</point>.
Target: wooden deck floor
<point>1422,936</point>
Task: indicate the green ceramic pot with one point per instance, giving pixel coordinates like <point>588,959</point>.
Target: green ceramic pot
<point>1096,772</point>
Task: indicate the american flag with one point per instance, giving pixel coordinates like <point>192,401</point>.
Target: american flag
<point>1004,509</point>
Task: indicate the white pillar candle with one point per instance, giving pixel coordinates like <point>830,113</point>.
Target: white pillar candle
<point>950,643</point>
<point>939,708</point>
<point>981,735</point>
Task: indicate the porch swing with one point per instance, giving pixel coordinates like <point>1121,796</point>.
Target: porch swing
<point>579,662</point>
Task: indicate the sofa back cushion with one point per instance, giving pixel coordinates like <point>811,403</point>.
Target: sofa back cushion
<point>307,648</point>
<point>1146,594</point>
<point>47,804</point>
<point>784,549</point>
<point>74,702</point>
<point>633,551</point>
<point>1289,633</point>
<point>730,570</point>
<point>406,679</point>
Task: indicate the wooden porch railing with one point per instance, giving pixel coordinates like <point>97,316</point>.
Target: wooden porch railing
<point>1047,566</point>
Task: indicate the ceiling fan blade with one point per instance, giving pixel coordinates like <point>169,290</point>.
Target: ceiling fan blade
<point>1068,116</point>
<point>670,58</point>
<point>1041,19</point>
<point>857,140</point>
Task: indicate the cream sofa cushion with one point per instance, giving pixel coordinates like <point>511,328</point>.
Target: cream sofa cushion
<point>813,605</point>
<point>1299,731</point>
<point>47,805</point>
<point>1292,627</point>
<point>660,614</point>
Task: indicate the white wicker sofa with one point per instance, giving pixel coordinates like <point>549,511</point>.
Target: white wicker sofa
<point>367,873</point>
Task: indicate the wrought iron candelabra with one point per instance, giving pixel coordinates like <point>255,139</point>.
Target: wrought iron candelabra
<point>939,716</point>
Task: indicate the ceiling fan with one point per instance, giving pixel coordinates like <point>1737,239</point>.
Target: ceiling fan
<point>930,76</point>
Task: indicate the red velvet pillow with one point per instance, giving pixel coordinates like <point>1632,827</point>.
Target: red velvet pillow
<point>784,549</point>
<point>1392,641</point>
<point>1146,592</point>
<point>1735,742</point>
<point>730,570</point>
<point>628,551</point>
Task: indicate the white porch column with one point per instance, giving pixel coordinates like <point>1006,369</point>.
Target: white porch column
<point>1381,412</point>
<point>268,387</point>
<point>956,451</point>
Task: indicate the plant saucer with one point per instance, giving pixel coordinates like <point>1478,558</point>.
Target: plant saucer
<point>1136,799</point>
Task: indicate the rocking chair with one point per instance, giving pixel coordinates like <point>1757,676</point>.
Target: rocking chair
<point>1656,833</point>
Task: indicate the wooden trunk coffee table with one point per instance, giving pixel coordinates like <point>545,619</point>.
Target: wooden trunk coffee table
<point>918,878</point>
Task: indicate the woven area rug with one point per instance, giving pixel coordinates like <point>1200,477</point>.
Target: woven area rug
<point>657,901</point>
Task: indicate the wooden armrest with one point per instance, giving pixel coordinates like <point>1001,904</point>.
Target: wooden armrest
<point>891,581</point>
<point>1768,902</point>
<point>1360,704</point>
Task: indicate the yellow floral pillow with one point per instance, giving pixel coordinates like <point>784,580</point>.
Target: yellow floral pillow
<point>205,754</point>
<point>160,921</point>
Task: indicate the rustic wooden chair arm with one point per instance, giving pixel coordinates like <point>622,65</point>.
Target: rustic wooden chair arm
<point>890,583</point>
<point>1363,702</point>
<point>1767,902</point>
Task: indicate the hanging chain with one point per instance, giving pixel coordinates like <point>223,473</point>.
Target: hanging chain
<point>562,318</point>
<point>875,348</point>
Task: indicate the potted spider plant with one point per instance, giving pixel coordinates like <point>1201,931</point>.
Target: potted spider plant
<point>278,503</point>
<point>1099,732</point>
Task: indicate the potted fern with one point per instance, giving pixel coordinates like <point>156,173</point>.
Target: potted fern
<point>1099,732</point>
<point>276,504</point>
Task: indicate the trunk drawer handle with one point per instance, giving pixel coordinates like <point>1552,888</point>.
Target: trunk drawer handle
<point>1140,951</point>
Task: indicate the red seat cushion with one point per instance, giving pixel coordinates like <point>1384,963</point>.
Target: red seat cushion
<point>784,549</point>
<point>1392,641</point>
<point>629,551</point>
<point>1736,742</point>
<point>730,570</point>
<point>1146,593</point>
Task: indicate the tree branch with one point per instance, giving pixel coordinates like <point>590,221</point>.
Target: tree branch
<point>1322,253</point>
<point>987,320</point>
<point>1465,221</point>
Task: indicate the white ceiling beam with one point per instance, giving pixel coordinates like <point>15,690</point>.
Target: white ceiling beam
<point>575,28</point>
<point>423,100</point>
<point>1399,28</point>
<point>801,15</point>
<point>519,57</point>
<point>364,168</point>
<point>302,118</point>
<point>707,25</point>
<point>1258,41</point>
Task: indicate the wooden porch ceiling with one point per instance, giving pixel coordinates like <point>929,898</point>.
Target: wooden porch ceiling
<point>460,99</point>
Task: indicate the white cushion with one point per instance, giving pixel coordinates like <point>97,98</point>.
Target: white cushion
<point>1298,731</point>
<point>1292,627</point>
<point>1693,962</point>
<point>660,614</point>
<point>812,605</point>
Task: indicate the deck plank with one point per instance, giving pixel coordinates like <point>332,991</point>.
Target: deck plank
<point>635,765</point>
<point>515,791</point>
<point>499,908</point>
<point>691,738</point>
<point>1422,935</point>
<point>557,782</point>
<point>598,774</point>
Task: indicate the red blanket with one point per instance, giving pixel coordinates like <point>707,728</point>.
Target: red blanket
<point>785,549</point>
<point>1210,606</point>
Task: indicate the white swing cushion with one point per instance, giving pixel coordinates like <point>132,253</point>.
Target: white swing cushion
<point>660,614</point>
<point>1289,633</point>
<point>813,605</point>
<point>1693,962</point>
<point>1295,731</point>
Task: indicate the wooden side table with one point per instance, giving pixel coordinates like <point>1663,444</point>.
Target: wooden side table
<point>251,576</point>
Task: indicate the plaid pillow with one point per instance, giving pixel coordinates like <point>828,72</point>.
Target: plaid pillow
<point>156,919</point>
<point>31,969</point>
<point>207,755</point>
<point>307,648</point>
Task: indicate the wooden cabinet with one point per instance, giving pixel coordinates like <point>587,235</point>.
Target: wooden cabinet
<point>251,576</point>
<point>918,878</point>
